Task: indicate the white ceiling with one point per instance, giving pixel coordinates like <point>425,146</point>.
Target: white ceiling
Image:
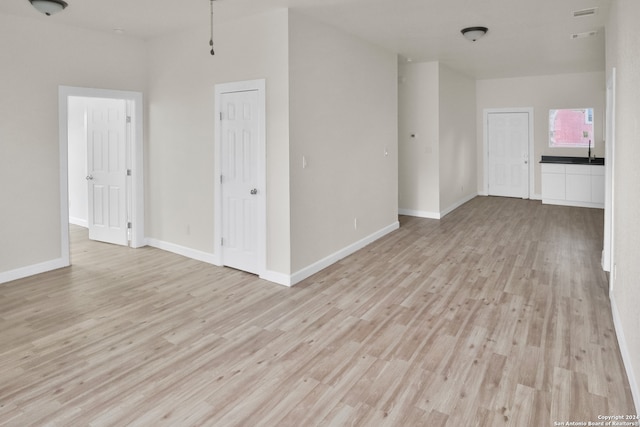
<point>526,37</point>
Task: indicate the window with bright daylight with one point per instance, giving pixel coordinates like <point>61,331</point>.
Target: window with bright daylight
<point>571,127</point>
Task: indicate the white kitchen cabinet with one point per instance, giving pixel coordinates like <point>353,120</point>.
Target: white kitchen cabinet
<point>553,181</point>
<point>578,183</point>
<point>597,185</point>
<point>573,185</point>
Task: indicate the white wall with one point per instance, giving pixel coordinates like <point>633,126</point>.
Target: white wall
<point>343,116</point>
<point>457,154</point>
<point>180,154</point>
<point>77,154</point>
<point>180,75</point>
<point>543,93</point>
<point>38,56</point>
<point>418,114</point>
<point>623,53</point>
<point>437,167</point>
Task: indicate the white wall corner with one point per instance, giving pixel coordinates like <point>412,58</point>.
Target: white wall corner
<point>30,270</point>
<point>277,278</point>
<point>312,269</point>
<point>457,204</point>
<point>184,251</point>
<point>626,355</point>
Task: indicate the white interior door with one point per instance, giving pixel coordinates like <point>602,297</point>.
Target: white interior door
<point>107,170</point>
<point>508,154</point>
<point>239,121</point>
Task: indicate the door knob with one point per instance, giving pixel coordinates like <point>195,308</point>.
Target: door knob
<point>89,177</point>
<point>254,191</point>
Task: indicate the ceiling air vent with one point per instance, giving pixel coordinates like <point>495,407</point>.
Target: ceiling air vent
<point>584,35</point>
<point>585,12</point>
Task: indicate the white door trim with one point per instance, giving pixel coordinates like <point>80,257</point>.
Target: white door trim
<point>137,173</point>
<point>608,259</point>
<point>485,151</point>
<point>249,85</point>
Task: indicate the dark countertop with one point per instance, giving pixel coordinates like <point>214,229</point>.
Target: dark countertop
<point>573,160</point>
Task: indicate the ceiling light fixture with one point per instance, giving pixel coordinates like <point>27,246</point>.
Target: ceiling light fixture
<point>474,33</point>
<point>211,39</point>
<point>49,7</point>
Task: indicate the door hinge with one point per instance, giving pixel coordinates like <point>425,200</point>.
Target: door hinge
<point>221,115</point>
<point>128,119</point>
<point>128,225</point>
<point>128,172</point>
<point>222,241</point>
<point>220,179</point>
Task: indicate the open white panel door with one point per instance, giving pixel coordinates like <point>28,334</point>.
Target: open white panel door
<point>107,170</point>
<point>508,154</point>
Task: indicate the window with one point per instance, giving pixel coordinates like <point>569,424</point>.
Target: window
<point>571,127</point>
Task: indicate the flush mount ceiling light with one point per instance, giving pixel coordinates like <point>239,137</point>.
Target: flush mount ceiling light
<point>49,7</point>
<point>474,33</point>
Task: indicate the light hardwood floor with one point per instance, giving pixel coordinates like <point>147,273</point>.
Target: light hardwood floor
<point>495,315</point>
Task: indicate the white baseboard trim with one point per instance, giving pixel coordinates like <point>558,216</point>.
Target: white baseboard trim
<point>271,276</point>
<point>419,214</point>
<point>571,203</point>
<point>312,269</point>
<point>30,270</point>
<point>277,278</point>
<point>78,221</point>
<point>274,276</point>
<point>626,356</point>
<point>184,251</point>
<point>437,215</point>
<point>457,204</point>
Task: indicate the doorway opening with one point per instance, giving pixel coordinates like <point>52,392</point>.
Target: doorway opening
<point>83,115</point>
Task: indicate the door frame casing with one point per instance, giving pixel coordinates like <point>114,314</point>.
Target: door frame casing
<point>485,151</point>
<point>258,85</point>
<point>608,256</point>
<point>137,161</point>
